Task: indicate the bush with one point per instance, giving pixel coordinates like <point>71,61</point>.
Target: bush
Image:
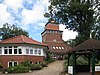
<point>65,66</point>
<point>18,69</point>
<point>1,67</point>
<point>44,65</point>
<point>36,67</point>
<point>47,61</point>
<point>26,63</point>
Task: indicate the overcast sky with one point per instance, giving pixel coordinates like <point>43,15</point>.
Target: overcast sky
<point>29,15</point>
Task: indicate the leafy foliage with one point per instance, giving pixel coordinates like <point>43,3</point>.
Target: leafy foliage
<point>24,67</point>
<point>18,69</point>
<point>8,31</point>
<point>82,16</point>
<point>36,67</point>
<point>49,58</point>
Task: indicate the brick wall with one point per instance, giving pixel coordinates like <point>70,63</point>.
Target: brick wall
<point>20,58</point>
<point>49,37</point>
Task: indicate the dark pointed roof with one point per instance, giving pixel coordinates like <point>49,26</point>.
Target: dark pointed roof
<point>89,44</point>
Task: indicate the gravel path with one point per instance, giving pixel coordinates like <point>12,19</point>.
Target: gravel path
<point>53,69</point>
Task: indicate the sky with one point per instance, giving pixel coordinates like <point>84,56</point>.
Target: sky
<point>29,15</point>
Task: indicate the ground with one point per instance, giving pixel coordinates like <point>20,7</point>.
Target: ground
<point>53,69</point>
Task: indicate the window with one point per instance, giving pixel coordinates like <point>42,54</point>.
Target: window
<point>53,47</point>
<point>10,46</point>
<point>39,51</point>
<point>5,51</point>
<point>30,62</point>
<point>35,52</point>
<point>55,31</point>
<point>59,47</point>
<point>20,51</point>
<point>5,47</point>
<point>27,51</point>
<point>62,47</point>
<point>12,63</point>
<point>31,51</point>
<point>0,50</point>
<point>50,31</point>
<point>54,40</point>
<point>10,51</point>
<point>15,51</point>
<point>15,46</point>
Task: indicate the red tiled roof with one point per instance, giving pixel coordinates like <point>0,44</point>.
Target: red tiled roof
<point>51,26</point>
<point>55,44</point>
<point>21,39</point>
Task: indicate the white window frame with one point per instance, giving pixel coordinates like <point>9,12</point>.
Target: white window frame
<point>39,52</point>
<point>18,51</point>
<point>31,50</point>
<point>54,48</point>
<point>35,51</point>
<point>12,63</point>
<point>0,50</point>
<point>28,51</point>
<point>62,47</point>
<point>59,47</point>
<point>12,48</point>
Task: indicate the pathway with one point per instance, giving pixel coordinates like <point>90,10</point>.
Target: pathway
<point>53,69</point>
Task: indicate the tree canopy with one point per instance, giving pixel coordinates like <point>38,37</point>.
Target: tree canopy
<point>8,31</point>
<point>82,16</point>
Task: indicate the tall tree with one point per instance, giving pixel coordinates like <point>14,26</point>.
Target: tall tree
<point>8,31</point>
<point>78,15</point>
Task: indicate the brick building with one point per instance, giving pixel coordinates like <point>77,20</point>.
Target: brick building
<point>18,49</point>
<point>52,36</point>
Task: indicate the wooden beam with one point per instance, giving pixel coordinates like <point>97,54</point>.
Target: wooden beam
<point>68,58</point>
<point>93,63</point>
<point>74,63</point>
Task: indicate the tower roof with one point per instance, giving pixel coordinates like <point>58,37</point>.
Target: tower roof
<point>51,26</point>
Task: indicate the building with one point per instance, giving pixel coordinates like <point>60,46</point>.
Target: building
<point>16,50</point>
<point>52,36</point>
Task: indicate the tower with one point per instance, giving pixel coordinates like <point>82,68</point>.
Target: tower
<point>52,36</point>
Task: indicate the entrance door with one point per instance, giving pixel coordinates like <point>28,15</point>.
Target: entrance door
<point>60,57</point>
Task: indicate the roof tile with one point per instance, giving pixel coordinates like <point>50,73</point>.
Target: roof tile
<point>22,39</point>
<point>51,26</point>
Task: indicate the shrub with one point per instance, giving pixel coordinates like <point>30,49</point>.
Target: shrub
<point>18,69</point>
<point>26,63</point>
<point>35,67</point>
<point>44,65</point>
<point>47,61</point>
<point>1,67</point>
<point>65,66</point>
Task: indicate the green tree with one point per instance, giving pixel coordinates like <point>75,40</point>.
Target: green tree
<point>78,15</point>
<point>8,31</point>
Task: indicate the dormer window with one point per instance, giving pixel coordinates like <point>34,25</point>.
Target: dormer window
<point>59,47</point>
<point>56,47</point>
<point>62,47</point>
<point>53,47</point>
